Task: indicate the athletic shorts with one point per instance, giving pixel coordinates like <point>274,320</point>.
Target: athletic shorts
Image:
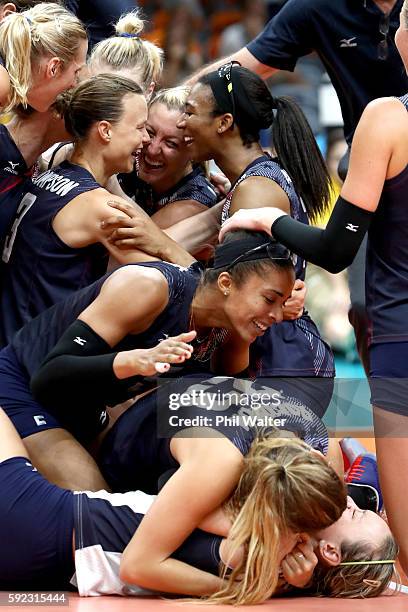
<point>30,417</point>
<point>389,376</point>
<point>36,526</point>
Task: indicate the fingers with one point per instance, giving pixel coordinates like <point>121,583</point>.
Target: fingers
<point>124,207</point>
<point>161,368</point>
<point>111,223</point>
<point>299,284</point>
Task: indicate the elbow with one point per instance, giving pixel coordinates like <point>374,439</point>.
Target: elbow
<point>129,573</point>
<point>133,571</point>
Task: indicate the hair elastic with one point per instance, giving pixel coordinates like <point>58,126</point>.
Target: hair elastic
<point>375,562</point>
<point>128,35</point>
<point>29,21</point>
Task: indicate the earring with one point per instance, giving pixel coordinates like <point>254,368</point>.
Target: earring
<point>226,292</point>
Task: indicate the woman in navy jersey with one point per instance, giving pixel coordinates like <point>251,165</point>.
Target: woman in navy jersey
<point>42,51</point>
<point>22,140</point>
<point>56,244</point>
<point>224,114</point>
<point>165,183</point>
<point>135,308</point>
<point>48,533</point>
<point>372,199</point>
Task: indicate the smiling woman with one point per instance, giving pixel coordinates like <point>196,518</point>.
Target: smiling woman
<point>55,42</point>
<point>167,185</point>
<point>59,240</point>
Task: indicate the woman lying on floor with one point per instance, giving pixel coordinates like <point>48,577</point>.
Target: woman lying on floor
<point>76,532</point>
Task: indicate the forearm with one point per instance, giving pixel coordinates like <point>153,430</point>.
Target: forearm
<point>195,232</point>
<point>333,248</point>
<point>170,576</point>
<point>176,253</point>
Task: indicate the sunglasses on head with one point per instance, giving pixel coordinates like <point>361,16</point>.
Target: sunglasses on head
<point>268,247</point>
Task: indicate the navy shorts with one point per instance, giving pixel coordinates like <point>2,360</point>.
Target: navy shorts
<point>389,376</point>
<point>36,526</point>
<point>30,417</point>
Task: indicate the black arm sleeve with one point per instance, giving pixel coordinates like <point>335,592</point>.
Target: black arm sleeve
<point>80,366</point>
<point>333,248</point>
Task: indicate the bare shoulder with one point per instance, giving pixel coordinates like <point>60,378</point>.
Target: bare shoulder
<point>138,282</point>
<point>259,191</point>
<point>383,114</point>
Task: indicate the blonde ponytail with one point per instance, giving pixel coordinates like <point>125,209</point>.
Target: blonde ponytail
<point>127,51</point>
<point>284,489</point>
<point>44,29</point>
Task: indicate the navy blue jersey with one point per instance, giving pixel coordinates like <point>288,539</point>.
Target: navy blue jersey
<point>136,451</point>
<point>194,186</point>
<point>387,261</point>
<point>13,174</point>
<point>36,527</point>
<point>363,64</point>
<point>269,168</point>
<point>291,348</point>
<point>41,269</point>
<point>104,525</point>
<point>35,340</point>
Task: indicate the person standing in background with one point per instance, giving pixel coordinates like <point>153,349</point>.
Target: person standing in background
<point>99,16</point>
<point>355,42</point>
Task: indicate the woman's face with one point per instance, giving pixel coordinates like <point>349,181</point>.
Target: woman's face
<point>356,525</point>
<point>258,302</point>
<point>50,78</point>
<point>165,159</point>
<point>128,135</point>
<point>199,124</point>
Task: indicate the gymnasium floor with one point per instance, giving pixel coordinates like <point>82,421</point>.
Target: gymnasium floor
<point>386,603</point>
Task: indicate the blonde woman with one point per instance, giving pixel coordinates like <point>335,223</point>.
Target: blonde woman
<point>284,490</point>
<point>128,54</point>
<point>166,184</point>
<point>56,43</point>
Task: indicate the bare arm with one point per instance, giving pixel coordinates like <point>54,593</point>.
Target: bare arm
<point>177,211</point>
<point>80,223</point>
<point>194,233</point>
<point>190,495</point>
<point>244,57</point>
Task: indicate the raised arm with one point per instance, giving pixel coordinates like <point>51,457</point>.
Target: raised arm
<point>243,56</point>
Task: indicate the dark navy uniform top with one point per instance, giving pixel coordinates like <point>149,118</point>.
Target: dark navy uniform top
<point>346,35</point>
<point>193,186</point>
<point>387,261</point>
<point>136,451</point>
<point>36,339</point>
<point>104,525</point>
<point>13,174</point>
<point>41,269</point>
<point>99,16</point>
